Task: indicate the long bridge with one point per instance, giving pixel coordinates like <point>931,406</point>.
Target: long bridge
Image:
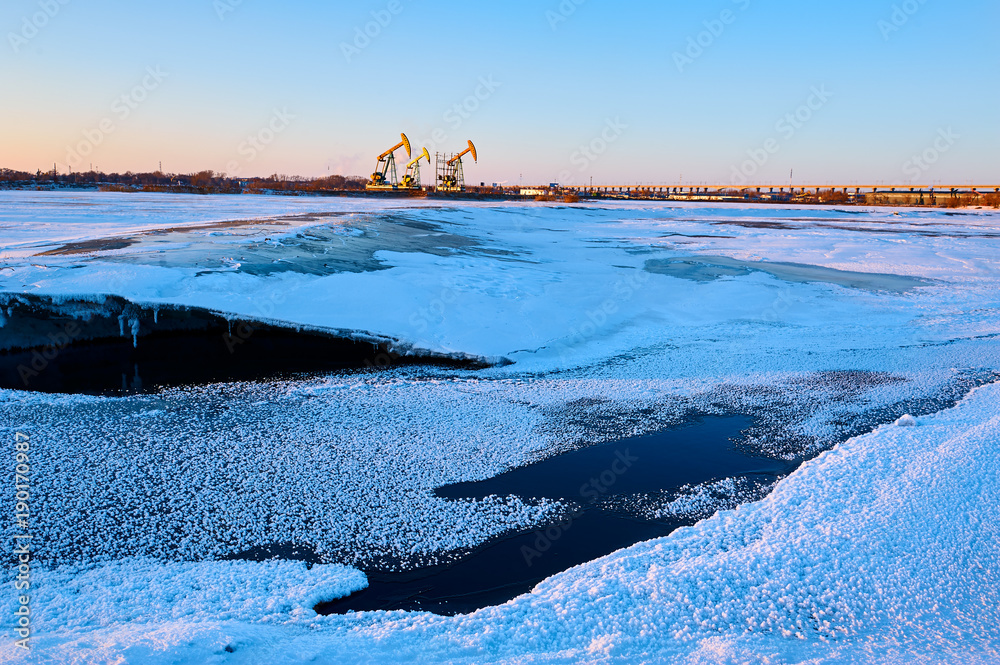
<point>913,194</point>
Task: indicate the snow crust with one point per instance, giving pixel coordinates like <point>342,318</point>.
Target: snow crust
<point>141,590</point>
<point>885,547</point>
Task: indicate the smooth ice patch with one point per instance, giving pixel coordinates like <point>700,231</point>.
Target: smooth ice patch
<point>709,268</point>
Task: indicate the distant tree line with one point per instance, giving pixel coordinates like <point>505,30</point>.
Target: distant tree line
<point>203,182</point>
<point>209,182</point>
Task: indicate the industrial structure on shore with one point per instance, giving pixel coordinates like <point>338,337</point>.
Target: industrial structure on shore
<point>932,196</point>
<point>450,181</point>
<point>450,174</point>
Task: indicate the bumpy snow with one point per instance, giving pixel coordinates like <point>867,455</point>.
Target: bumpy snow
<point>886,547</point>
<point>619,319</point>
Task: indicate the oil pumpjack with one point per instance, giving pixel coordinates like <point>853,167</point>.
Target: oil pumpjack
<point>411,180</point>
<point>384,177</point>
<point>451,177</point>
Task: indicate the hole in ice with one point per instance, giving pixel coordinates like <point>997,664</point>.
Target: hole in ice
<point>595,480</point>
<point>115,347</point>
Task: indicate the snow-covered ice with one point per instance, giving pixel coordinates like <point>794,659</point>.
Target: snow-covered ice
<point>882,550</point>
<point>619,319</point>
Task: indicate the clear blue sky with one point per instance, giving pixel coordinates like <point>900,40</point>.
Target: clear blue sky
<point>928,89</point>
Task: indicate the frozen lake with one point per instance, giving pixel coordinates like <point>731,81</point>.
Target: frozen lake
<point>425,388</point>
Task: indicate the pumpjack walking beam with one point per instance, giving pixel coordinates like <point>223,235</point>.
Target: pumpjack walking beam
<point>384,176</point>
<point>411,180</point>
<point>451,176</point>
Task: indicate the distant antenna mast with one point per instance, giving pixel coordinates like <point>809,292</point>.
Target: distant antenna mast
<point>790,174</point>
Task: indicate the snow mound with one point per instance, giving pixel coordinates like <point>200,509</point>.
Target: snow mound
<point>147,591</point>
<point>881,547</point>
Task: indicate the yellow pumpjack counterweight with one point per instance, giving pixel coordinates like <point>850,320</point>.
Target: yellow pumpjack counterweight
<point>405,142</point>
<point>459,156</point>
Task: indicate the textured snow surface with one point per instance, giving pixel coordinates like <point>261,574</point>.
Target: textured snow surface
<point>886,547</point>
<point>216,471</point>
<point>881,550</point>
<point>155,592</point>
<point>347,466</point>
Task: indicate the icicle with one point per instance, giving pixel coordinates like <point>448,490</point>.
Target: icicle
<point>121,325</point>
<point>156,315</point>
<point>135,333</point>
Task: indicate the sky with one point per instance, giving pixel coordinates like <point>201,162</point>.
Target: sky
<point>571,91</point>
